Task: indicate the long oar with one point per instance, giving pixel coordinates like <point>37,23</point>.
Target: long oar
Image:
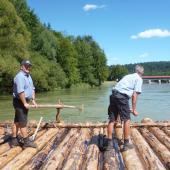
<point>57,106</point>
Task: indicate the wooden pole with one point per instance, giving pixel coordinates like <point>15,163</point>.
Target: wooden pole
<point>75,158</point>
<point>61,152</point>
<point>166,130</point>
<point>151,160</point>
<point>60,106</point>
<point>92,125</point>
<point>2,130</point>
<point>130,157</point>
<point>58,119</point>
<point>110,160</point>
<point>158,133</point>
<point>97,125</point>
<point>91,159</point>
<point>157,146</point>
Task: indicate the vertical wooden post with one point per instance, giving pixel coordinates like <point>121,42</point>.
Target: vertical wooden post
<point>58,115</point>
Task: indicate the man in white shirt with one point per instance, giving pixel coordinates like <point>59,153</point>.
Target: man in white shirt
<point>130,86</point>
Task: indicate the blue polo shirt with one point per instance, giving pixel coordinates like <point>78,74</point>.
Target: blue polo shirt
<point>23,83</point>
<point>130,83</point>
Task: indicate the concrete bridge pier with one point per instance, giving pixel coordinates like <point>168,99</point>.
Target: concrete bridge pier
<point>150,82</point>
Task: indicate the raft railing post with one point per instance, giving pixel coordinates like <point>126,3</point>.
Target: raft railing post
<point>58,115</point>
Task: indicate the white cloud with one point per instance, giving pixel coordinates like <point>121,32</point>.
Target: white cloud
<point>89,7</point>
<point>152,33</point>
<point>144,55</point>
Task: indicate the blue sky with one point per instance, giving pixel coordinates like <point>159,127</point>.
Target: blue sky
<point>129,31</point>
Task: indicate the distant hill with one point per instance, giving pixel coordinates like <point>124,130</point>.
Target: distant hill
<point>152,68</point>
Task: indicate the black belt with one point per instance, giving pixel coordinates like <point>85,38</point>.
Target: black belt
<point>27,100</point>
<point>123,94</point>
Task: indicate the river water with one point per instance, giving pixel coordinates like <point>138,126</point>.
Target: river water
<point>154,102</point>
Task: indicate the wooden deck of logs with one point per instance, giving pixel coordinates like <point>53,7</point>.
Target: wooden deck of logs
<point>76,147</point>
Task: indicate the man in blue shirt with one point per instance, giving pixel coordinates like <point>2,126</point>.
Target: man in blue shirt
<point>130,86</point>
<point>23,94</point>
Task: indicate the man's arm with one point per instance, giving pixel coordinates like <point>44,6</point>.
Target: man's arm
<point>134,101</point>
<point>33,99</point>
<point>22,98</point>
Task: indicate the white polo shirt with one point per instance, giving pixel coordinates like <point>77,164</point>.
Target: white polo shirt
<point>130,83</point>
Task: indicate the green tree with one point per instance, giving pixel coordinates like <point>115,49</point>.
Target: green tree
<point>67,58</point>
<point>47,75</point>
<point>48,45</point>
<point>85,60</point>
<point>14,37</point>
<point>8,68</point>
<point>99,60</point>
<point>117,72</point>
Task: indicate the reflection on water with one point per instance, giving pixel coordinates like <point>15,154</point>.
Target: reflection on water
<point>154,102</point>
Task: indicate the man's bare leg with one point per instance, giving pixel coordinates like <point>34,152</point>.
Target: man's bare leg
<point>15,128</point>
<point>126,129</point>
<point>127,144</point>
<point>110,129</point>
<point>24,132</point>
<point>14,141</point>
<point>109,144</point>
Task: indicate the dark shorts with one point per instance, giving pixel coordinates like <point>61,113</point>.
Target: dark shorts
<point>119,105</point>
<point>20,112</point>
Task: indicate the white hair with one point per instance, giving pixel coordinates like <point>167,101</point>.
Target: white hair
<point>139,69</point>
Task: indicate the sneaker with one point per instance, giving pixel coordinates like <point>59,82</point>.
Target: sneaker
<point>127,146</point>
<point>29,143</point>
<point>14,142</point>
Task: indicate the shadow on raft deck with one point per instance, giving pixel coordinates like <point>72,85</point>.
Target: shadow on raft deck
<point>76,146</point>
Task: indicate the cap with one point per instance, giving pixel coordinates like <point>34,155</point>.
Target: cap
<point>26,62</point>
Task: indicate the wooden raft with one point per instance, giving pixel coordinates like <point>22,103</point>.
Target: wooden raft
<point>76,147</point>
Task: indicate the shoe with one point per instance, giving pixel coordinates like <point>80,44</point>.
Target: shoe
<point>108,145</point>
<point>29,143</point>
<point>14,142</point>
<point>127,146</point>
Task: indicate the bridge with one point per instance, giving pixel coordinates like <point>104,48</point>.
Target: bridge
<point>159,79</point>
